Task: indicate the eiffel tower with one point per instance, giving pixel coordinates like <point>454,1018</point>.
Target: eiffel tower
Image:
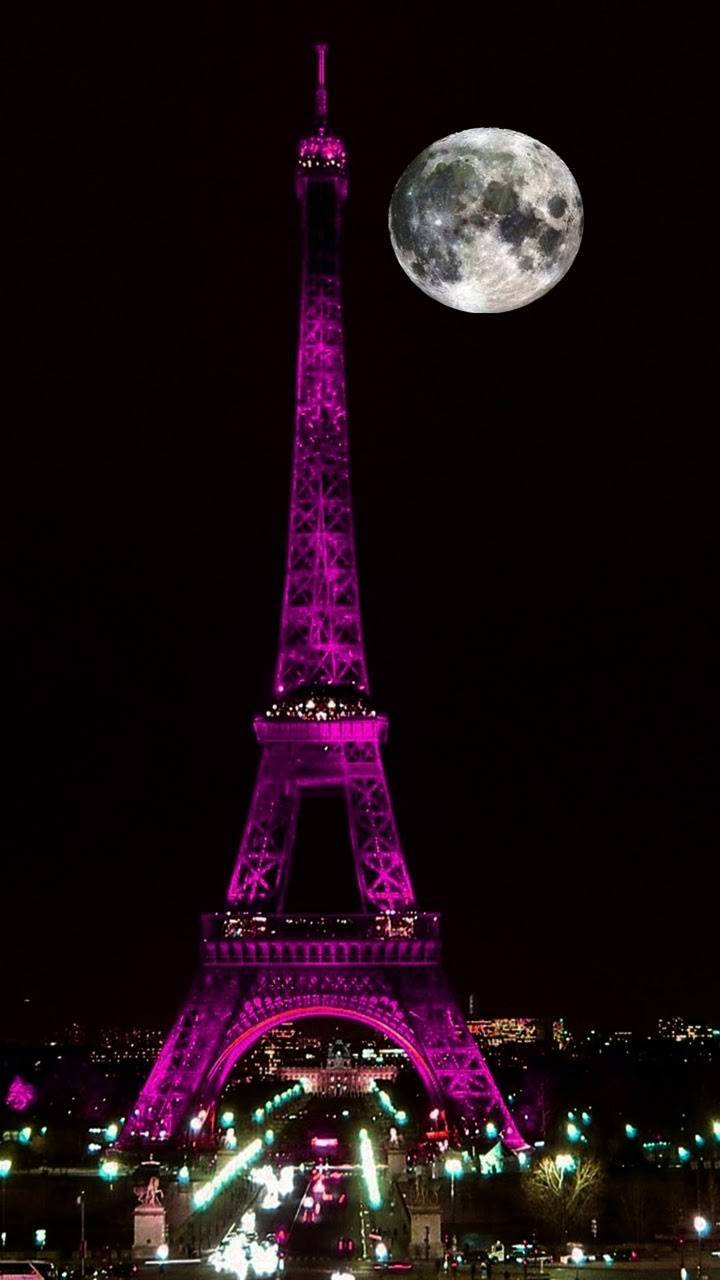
<point>260,966</point>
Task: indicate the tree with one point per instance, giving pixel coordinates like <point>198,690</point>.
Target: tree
<point>565,1192</point>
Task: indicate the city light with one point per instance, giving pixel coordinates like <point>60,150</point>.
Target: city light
<point>207,1192</point>
<point>453,1166</point>
<point>260,1114</point>
<point>716,1130</point>
<point>242,1252</point>
<point>40,1237</point>
<point>386,1102</point>
<point>109,1169</point>
<point>112,1132</point>
<point>183,1176</point>
<point>369,1171</point>
<point>227,1118</point>
<point>700,1224</point>
<point>162,1252</point>
<point>631,1131</point>
<point>565,1163</point>
<point>25,1135</point>
<point>491,1130</point>
<point>196,1124</point>
<point>572,1131</point>
<point>5,1167</point>
<point>683,1155</point>
<point>276,1187</point>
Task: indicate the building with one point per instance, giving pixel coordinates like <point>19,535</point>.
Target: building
<point>500,1031</point>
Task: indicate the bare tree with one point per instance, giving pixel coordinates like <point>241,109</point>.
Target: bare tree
<point>565,1193</point>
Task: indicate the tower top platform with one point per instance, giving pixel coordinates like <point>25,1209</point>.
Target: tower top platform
<point>321,152</point>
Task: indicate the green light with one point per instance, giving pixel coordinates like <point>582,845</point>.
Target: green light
<point>630,1131</point>
<point>25,1135</point>
<point>227,1119</point>
<point>369,1170</point>
<point>453,1166</point>
<point>586,1117</point>
<point>699,1140</point>
<point>5,1167</point>
<point>184,1176</point>
<point>112,1132</point>
<point>206,1194</point>
<point>491,1130</point>
<point>564,1163</point>
<point>109,1169</point>
<point>573,1132</point>
<point>683,1155</point>
<point>269,1137</point>
<point>522,1159</point>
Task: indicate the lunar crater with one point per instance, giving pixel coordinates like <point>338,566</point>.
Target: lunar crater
<point>486,220</point>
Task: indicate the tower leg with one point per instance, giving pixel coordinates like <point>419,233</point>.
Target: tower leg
<point>460,1068</point>
<point>262,864</point>
<point>379,860</point>
<point>165,1105</point>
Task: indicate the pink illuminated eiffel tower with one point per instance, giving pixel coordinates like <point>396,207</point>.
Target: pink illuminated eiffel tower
<point>260,966</point>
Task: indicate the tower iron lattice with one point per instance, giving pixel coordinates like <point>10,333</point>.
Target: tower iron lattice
<point>261,966</point>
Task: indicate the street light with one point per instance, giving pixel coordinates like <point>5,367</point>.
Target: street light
<point>701,1226</point>
<point>5,1167</point>
<point>83,1244</point>
<point>577,1256</point>
<point>453,1167</point>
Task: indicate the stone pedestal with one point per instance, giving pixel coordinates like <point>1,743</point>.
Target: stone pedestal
<point>149,1232</point>
<point>425,1231</point>
<point>397,1162</point>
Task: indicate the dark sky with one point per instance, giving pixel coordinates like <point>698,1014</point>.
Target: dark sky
<point>536,496</point>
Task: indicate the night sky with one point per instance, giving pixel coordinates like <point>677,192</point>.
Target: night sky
<point>536,498</point>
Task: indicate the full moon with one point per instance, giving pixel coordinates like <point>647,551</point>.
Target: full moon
<point>486,220</point>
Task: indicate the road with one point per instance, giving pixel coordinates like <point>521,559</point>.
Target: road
<point>328,1220</point>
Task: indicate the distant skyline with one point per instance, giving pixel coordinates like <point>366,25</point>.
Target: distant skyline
<point>535,503</point>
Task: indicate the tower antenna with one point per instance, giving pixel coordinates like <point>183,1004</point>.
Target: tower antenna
<point>321,101</point>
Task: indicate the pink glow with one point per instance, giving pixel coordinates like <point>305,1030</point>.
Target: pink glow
<point>323,1142</point>
<point>20,1094</point>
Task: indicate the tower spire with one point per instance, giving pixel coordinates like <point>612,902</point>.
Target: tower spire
<point>321,100</point>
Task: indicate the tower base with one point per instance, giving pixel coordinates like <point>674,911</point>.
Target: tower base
<point>383,971</point>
